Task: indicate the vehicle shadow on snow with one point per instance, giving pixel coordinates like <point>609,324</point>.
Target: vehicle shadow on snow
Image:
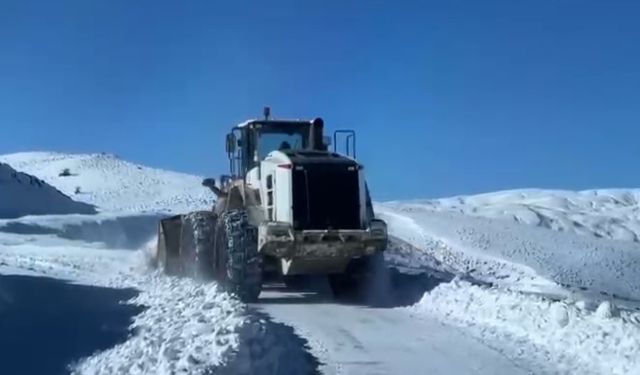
<point>391,288</point>
<point>46,324</point>
<point>268,348</point>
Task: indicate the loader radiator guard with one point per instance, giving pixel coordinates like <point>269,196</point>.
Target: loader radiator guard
<point>326,196</point>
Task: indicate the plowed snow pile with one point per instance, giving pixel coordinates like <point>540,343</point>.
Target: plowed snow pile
<point>577,339</point>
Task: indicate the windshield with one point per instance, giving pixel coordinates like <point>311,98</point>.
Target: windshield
<point>270,141</point>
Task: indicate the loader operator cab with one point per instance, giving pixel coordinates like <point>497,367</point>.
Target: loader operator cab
<point>251,142</point>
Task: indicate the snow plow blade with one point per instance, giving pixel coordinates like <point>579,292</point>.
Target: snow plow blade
<point>169,244</point>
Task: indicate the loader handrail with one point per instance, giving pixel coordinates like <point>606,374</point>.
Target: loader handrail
<point>350,139</point>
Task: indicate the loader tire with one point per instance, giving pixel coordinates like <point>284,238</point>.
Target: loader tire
<point>238,263</point>
<point>196,250</point>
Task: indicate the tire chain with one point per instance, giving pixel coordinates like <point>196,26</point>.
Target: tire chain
<point>244,263</point>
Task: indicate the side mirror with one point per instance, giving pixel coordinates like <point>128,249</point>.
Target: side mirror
<point>231,143</point>
<point>209,182</point>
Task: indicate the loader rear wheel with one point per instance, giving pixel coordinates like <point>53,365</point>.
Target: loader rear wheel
<point>196,248</point>
<point>237,261</point>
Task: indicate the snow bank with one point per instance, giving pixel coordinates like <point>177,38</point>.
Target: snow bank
<point>22,194</point>
<point>514,255</point>
<point>192,328</point>
<point>113,184</point>
<point>524,326</point>
<point>186,328</point>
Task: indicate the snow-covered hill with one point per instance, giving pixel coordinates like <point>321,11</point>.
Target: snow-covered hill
<point>113,184</point>
<point>23,194</point>
<point>515,255</point>
<point>531,239</point>
<point>609,213</point>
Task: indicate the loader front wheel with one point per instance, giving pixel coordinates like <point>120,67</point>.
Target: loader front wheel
<point>237,261</point>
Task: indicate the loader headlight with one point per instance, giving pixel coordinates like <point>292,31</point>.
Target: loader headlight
<point>276,229</point>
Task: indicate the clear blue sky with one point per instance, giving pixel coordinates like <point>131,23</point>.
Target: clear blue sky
<point>448,97</point>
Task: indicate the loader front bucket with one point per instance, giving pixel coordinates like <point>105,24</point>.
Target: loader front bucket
<point>169,231</point>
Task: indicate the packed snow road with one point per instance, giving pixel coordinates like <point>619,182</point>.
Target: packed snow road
<point>353,339</point>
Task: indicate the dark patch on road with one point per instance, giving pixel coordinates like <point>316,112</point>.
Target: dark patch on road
<point>268,348</point>
<point>46,324</point>
<point>391,288</point>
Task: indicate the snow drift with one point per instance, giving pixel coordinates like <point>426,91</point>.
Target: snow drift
<point>22,194</point>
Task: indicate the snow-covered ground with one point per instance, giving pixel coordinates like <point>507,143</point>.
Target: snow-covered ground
<point>185,327</point>
<point>539,276</point>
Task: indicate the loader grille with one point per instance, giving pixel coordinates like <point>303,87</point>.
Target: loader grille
<point>326,196</point>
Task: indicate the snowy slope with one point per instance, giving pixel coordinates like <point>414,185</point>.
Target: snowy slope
<point>22,194</point>
<point>113,184</point>
<point>608,213</point>
<point>517,255</point>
